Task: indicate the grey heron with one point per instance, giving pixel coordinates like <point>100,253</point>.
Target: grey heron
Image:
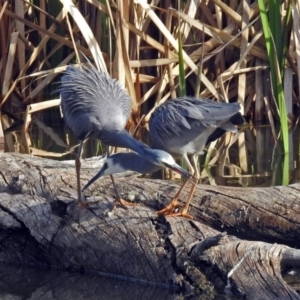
<point>181,127</point>
<point>96,106</point>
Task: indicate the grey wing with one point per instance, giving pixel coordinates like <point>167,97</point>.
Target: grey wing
<point>182,120</point>
<point>92,101</point>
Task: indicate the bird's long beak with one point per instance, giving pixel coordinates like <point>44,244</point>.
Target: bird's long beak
<point>176,168</point>
<point>97,176</point>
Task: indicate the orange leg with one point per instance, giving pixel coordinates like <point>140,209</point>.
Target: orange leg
<point>185,209</point>
<point>169,209</point>
<point>119,201</point>
<point>184,212</point>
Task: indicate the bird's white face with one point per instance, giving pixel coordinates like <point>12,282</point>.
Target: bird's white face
<point>168,159</point>
<point>161,158</point>
<point>164,159</point>
<point>110,167</point>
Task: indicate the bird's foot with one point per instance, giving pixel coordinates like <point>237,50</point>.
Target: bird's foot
<point>86,204</point>
<point>123,204</point>
<point>171,211</point>
<point>179,214</point>
<point>170,208</point>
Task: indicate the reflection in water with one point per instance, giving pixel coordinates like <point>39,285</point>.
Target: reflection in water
<point>292,278</point>
<point>39,284</point>
<point>248,158</point>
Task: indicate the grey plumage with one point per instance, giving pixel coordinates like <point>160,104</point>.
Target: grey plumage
<point>183,125</point>
<point>93,103</point>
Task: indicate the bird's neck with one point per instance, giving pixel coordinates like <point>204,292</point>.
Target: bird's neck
<point>124,140</point>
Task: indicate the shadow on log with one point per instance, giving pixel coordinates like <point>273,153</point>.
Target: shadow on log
<point>40,224</point>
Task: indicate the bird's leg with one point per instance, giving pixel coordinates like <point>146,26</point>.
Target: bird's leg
<point>78,165</point>
<point>191,193</point>
<point>184,212</point>
<point>118,201</point>
<point>170,209</point>
<point>81,204</point>
<point>195,160</point>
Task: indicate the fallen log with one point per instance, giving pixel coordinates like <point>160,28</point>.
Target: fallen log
<point>40,224</point>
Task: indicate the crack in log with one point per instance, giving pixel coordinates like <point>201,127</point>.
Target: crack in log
<point>161,244</point>
<point>67,183</point>
<point>293,187</point>
<point>43,183</point>
<point>259,268</point>
<point>4,179</point>
<point>163,229</point>
<point>59,208</point>
<point>196,228</point>
<point>164,234</point>
<point>20,240</point>
<point>258,208</point>
<point>13,215</point>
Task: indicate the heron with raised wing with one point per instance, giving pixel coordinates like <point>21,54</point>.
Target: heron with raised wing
<point>96,106</point>
<point>181,127</point>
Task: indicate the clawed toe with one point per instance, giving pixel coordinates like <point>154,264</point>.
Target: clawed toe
<point>123,204</point>
<point>171,210</point>
<point>86,204</point>
<point>180,214</point>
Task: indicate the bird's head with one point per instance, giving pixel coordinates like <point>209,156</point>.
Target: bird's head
<point>130,161</point>
<point>165,160</point>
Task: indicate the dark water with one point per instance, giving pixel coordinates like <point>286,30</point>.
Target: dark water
<point>24,283</point>
<point>29,283</point>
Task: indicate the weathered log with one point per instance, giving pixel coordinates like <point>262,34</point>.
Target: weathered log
<point>41,224</point>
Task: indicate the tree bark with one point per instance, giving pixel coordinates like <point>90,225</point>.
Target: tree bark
<point>40,223</point>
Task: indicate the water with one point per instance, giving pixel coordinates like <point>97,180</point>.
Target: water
<point>17,282</point>
<point>29,283</point>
